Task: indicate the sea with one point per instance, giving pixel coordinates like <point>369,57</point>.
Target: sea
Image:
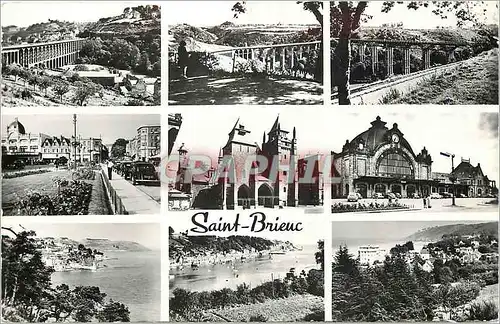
<point>131,278</point>
<point>252,273</point>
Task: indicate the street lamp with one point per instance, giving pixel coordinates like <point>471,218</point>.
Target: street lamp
<point>452,177</point>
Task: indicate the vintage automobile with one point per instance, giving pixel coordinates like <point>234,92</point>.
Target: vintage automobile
<point>143,172</point>
<point>353,197</point>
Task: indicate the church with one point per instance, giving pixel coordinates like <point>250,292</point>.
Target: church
<point>240,181</point>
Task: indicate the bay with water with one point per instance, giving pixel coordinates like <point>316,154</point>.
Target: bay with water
<point>252,273</point>
<point>131,278</point>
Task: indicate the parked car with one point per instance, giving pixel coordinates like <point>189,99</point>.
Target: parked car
<point>352,197</point>
<point>359,196</point>
<point>378,195</point>
<point>463,196</point>
<point>447,195</point>
<point>436,195</point>
<point>390,195</point>
<point>143,172</point>
<point>415,196</point>
<point>15,165</point>
<point>398,195</point>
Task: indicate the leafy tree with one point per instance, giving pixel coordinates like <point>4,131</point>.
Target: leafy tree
<point>25,74</point>
<point>45,82</point>
<point>118,148</point>
<point>61,88</point>
<point>85,90</point>
<point>13,69</point>
<point>114,312</point>
<point>34,80</point>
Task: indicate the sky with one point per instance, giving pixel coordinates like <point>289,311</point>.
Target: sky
<point>109,127</point>
<point>15,12</point>
<point>384,230</point>
<point>311,233</point>
<point>147,234</point>
<point>210,13</point>
<point>423,17</point>
<point>458,133</point>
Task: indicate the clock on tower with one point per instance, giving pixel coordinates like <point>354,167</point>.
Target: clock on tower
<point>395,138</point>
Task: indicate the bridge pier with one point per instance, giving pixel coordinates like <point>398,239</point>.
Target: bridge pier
<point>361,52</point>
<point>406,60</point>
<point>374,55</point>
<point>426,57</point>
<point>389,56</point>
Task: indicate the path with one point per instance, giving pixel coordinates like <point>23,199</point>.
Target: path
<point>241,90</point>
<point>133,200</point>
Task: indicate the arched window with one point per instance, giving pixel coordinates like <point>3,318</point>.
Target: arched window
<point>394,164</point>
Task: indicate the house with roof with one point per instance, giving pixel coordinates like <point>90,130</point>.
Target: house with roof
<point>53,148</point>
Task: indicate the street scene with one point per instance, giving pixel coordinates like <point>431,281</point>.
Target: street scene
<point>415,271</point>
<point>223,53</point>
<point>412,167</point>
<point>112,271</point>
<point>269,277</point>
<point>245,163</point>
<point>81,54</point>
<point>414,52</point>
<point>80,165</point>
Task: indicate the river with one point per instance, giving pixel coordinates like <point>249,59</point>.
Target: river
<point>253,273</point>
<point>132,278</point>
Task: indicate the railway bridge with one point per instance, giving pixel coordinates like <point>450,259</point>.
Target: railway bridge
<point>50,55</point>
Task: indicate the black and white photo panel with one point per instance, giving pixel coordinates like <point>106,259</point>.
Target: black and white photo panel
<point>228,52</point>
<point>81,272</point>
<point>414,52</point>
<point>400,271</point>
<point>81,53</point>
<point>81,164</point>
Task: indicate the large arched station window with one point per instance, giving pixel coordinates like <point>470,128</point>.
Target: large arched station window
<point>394,164</point>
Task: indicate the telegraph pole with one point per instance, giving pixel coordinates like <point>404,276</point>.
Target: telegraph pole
<point>74,143</point>
<point>452,177</point>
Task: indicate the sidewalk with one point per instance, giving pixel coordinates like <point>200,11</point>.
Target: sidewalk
<point>132,200</point>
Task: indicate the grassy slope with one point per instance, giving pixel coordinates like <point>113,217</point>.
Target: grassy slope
<point>287,309</point>
<point>473,82</point>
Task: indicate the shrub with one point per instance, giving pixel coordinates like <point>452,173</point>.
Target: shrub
<point>11,175</point>
<point>72,199</point>
<point>483,311</point>
<point>258,318</point>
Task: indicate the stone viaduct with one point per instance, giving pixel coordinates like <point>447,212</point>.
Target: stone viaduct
<point>375,46</point>
<point>50,55</point>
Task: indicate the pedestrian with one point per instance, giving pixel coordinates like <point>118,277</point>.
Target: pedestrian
<point>110,169</point>
<point>183,58</point>
<point>425,201</point>
<point>428,201</point>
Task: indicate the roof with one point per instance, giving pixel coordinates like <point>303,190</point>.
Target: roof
<point>465,170</point>
<point>375,136</point>
<point>239,134</point>
<point>17,124</point>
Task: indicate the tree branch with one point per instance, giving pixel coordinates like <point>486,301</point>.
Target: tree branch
<point>10,230</point>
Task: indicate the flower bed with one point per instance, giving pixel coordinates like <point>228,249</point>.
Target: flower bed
<point>17,174</point>
<point>361,207</point>
<point>73,198</point>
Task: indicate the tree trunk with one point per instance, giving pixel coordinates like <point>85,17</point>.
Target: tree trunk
<point>342,70</point>
<point>318,69</point>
